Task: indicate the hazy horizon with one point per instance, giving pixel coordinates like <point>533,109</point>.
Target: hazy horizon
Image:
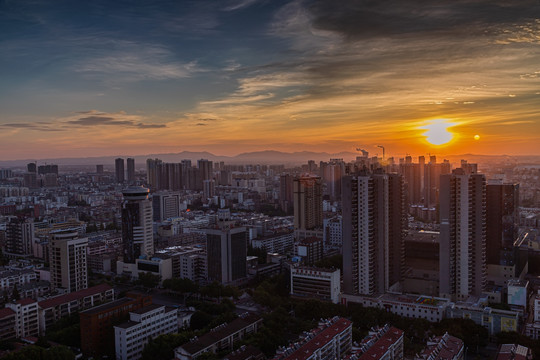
<point>98,78</point>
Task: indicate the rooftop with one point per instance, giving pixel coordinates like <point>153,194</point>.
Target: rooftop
<point>220,333</point>
<point>77,295</point>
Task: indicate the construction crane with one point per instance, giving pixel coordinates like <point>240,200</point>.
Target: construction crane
<point>383,154</point>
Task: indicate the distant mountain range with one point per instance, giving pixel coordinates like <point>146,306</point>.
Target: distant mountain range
<point>258,157</point>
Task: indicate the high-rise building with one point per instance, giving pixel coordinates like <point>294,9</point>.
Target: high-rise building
<point>226,254</point>
<point>463,234</point>
<point>412,174</point>
<point>152,173</point>
<point>166,205</point>
<point>31,167</point>
<point>131,170</point>
<point>19,237</point>
<point>137,231</point>
<point>99,169</point>
<point>119,170</point>
<point>432,175</point>
<point>374,221</point>
<point>331,174</point>
<point>68,261</point>
<point>502,215</point>
<point>286,192</point>
<point>209,188</point>
<point>307,194</point>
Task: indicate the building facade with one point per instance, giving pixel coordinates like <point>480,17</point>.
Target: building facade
<point>68,264</point>
<point>137,227</point>
<point>462,248</point>
<point>144,324</point>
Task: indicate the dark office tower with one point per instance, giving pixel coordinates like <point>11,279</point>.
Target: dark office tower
<point>99,169</point>
<point>397,225</point>
<point>502,216</point>
<point>131,170</point>
<point>307,194</point>
<point>225,178</point>
<point>286,192</point>
<point>463,234</point>
<point>422,164</point>
<point>226,254</point>
<point>152,173</point>
<point>119,170</point>
<point>366,230</point>
<point>137,231</point>
<point>19,237</point>
<point>31,167</point>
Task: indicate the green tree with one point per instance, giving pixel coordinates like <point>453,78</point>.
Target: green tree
<point>200,320</point>
<point>148,280</point>
<point>162,347</point>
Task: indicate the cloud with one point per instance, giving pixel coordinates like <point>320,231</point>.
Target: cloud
<point>38,126</point>
<point>120,119</point>
<point>239,4</point>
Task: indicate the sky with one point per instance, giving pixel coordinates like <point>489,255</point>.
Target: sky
<point>101,77</point>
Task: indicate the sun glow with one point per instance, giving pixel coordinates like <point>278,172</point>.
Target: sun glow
<point>437,132</point>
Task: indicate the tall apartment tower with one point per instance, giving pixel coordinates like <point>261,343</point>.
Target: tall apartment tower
<point>119,170</point>
<point>286,192</point>
<point>502,215</point>
<point>374,219</point>
<point>462,234</point>
<point>137,231</point>
<point>226,254</point>
<point>307,194</point>
<point>67,258</point>
<point>131,170</point>
<point>19,237</point>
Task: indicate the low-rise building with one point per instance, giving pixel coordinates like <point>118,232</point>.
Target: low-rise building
<point>144,324</point>
<point>444,347</point>
<point>26,317</point>
<point>281,243</point>
<point>331,340</point>
<point>514,352</point>
<point>55,308</point>
<point>383,343</point>
<point>220,338</point>
<point>309,282</point>
<point>97,332</point>
<point>8,321</point>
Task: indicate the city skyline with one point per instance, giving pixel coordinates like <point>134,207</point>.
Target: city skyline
<point>101,78</point>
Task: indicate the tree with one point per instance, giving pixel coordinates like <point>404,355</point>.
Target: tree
<point>15,294</point>
<point>200,320</point>
<point>148,280</point>
<point>162,347</point>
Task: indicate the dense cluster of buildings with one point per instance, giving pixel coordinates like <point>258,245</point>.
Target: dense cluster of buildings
<point>422,240</point>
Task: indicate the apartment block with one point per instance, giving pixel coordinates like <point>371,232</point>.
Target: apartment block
<point>144,324</point>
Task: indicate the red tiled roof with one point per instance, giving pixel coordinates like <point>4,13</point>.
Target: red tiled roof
<point>6,312</point>
<point>26,301</point>
<point>77,295</point>
<point>320,340</point>
<point>381,346</point>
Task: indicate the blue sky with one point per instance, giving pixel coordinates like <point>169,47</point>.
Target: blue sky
<point>134,77</point>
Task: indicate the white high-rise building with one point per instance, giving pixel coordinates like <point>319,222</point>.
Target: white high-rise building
<point>463,234</point>
<point>68,261</point>
<point>137,231</point>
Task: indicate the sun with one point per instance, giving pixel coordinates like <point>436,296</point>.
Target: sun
<point>437,131</point>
